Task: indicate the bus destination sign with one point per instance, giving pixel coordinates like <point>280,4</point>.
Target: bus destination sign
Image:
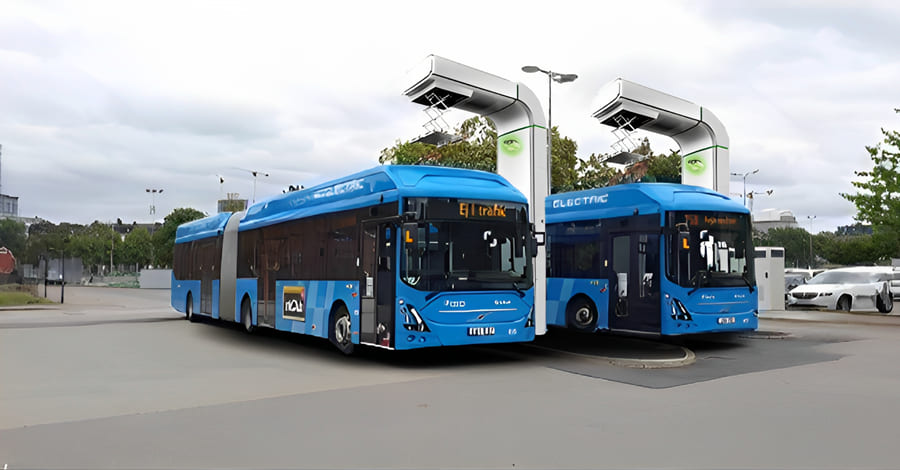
<point>697,220</point>
<point>471,210</point>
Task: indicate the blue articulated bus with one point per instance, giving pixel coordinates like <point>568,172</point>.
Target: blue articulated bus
<point>398,257</point>
<point>650,258</point>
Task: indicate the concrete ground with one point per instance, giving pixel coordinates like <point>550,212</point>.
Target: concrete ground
<point>115,379</point>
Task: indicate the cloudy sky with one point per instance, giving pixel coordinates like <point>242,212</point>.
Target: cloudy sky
<point>100,101</point>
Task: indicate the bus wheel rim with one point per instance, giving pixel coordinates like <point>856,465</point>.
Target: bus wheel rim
<point>342,329</point>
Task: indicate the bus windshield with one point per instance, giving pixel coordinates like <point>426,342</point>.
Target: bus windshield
<point>461,245</point>
<point>709,249</point>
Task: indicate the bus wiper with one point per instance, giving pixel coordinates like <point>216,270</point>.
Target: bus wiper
<point>698,281</point>
<point>749,284</point>
<point>518,289</point>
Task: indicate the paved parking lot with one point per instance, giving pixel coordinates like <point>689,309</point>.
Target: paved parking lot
<point>116,379</point>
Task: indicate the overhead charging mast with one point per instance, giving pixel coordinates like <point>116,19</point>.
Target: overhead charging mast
<point>522,158</point>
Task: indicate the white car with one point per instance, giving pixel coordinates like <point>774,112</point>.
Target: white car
<point>857,289</point>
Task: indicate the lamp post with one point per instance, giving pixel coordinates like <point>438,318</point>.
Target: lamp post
<point>744,176</point>
<point>751,195</point>
<point>62,281</point>
<point>153,192</point>
<point>255,173</point>
<point>551,77</point>
<point>810,218</point>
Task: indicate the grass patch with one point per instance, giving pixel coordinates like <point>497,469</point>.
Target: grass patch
<point>133,284</point>
<point>10,299</point>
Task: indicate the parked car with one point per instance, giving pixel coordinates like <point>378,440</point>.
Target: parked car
<point>895,283</point>
<point>858,289</point>
<point>792,280</point>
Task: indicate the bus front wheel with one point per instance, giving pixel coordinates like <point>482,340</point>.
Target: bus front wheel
<point>246,316</point>
<point>189,308</point>
<point>581,315</point>
<point>340,333</point>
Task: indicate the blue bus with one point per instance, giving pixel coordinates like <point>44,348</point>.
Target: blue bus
<point>650,258</point>
<point>397,257</point>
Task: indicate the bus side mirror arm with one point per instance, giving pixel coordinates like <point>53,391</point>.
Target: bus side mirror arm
<point>539,239</point>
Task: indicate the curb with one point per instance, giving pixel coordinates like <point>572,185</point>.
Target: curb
<point>25,308</point>
<point>688,359</point>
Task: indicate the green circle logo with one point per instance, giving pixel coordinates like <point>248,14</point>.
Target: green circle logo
<point>695,164</point>
<point>511,145</point>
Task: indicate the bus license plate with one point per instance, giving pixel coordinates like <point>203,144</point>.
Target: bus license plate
<point>726,320</point>
<point>482,331</point>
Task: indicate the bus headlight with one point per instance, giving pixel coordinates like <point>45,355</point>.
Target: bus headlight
<point>679,312</point>
<point>529,323</point>
<point>414,321</point>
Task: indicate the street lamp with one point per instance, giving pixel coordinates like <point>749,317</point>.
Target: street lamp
<point>744,176</point>
<point>810,218</point>
<point>62,261</point>
<point>153,193</point>
<point>551,77</point>
<point>752,195</point>
<point>255,173</point>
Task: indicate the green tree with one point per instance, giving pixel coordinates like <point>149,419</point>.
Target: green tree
<point>593,172</point>
<point>164,238</point>
<point>796,243</point>
<point>13,236</point>
<point>93,245</point>
<point>564,163</point>
<point>137,248</point>
<point>878,198</point>
<point>876,248</point>
<point>664,168</point>
<point>48,240</point>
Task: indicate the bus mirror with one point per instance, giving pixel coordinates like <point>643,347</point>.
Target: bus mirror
<point>409,232</point>
<point>704,235</point>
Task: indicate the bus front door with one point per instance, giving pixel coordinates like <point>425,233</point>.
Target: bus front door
<point>377,283</point>
<point>635,302</point>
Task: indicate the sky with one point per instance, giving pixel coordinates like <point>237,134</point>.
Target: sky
<point>100,101</point>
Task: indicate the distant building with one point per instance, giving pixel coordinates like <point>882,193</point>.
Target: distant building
<point>9,206</point>
<point>233,203</point>
<point>773,218</point>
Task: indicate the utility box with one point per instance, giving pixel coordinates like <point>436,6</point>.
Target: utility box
<point>769,265</point>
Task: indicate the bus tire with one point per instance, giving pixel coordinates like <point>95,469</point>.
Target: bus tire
<point>844,303</point>
<point>340,333</point>
<point>247,316</point>
<point>581,315</point>
<point>189,308</point>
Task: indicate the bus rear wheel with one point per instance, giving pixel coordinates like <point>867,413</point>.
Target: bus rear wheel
<point>189,308</point>
<point>247,316</point>
<point>581,315</point>
<point>340,333</point>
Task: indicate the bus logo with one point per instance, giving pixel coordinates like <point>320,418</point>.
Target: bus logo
<point>339,189</point>
<point>455,303</point>
<point>580,201</point>
<point>294,300</point>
